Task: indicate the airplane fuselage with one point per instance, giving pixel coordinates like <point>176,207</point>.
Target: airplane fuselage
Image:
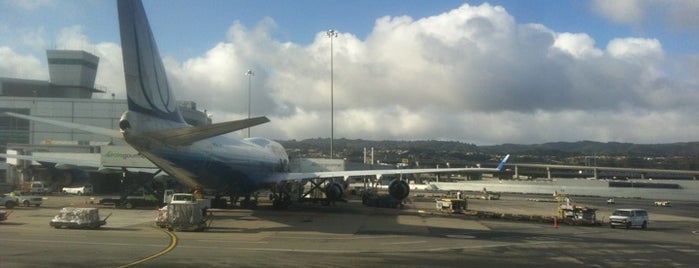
<point>222,163</point>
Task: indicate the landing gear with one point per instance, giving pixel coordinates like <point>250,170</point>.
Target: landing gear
<point>281,197</point>
<point>281,200</point>
<point>248,202</point>
<point>218,202</point>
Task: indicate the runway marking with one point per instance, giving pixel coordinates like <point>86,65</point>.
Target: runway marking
<point>29,241</point>
<point>463,236</point>
<point>173,244</point>
<point>695,232</point>
<point>357,237</point>
<point>232,241</point>
<point>405,243</point>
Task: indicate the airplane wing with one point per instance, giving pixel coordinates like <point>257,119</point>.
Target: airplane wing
<point>74,161</point>
<point>381,172</point>
<point>97,130</point>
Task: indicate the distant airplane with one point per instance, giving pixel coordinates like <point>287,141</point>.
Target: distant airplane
<point>201,156</point>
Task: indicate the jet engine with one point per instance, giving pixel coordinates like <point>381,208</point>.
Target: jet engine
<point>124,123</point>
<point>398,189</point>
<point>333,191</point>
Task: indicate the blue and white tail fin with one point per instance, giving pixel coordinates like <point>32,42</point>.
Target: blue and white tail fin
<point>504,161</point>
<point>147,87</point>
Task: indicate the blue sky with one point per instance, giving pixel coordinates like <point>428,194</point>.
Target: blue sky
<point>185,28</point>
<point>582,70</point>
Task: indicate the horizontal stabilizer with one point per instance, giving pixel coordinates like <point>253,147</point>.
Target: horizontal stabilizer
<point>97,130</point>
<point>189,135</point>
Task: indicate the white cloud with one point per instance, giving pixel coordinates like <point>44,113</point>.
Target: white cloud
<point>471,74</point>
<point>635,48</point>
<point>21,66</point>
<point>677,15</point>
<point>578,45</point>
<point>622,11</point>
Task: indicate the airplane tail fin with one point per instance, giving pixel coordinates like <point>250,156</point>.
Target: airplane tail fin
<point>147,88</point>
<point>504,161</point>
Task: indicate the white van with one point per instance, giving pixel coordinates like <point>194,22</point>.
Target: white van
<point>629,217</point>
<point>34,187</point>
<point>79,190</point>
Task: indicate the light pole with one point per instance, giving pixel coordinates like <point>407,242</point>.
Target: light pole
<point>250,74</point>
<point>331,34</point>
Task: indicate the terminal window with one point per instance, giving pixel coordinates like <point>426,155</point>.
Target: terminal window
<point>13,130</point>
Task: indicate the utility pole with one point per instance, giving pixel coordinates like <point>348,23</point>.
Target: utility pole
<point>331,34</point>
<point>250,74</point>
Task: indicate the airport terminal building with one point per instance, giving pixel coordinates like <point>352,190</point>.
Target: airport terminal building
<point>67,96</point>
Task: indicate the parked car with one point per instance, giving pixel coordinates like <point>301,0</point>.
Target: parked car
<point>27,200</point>
<point>9,202</point>
<point>629,217</point>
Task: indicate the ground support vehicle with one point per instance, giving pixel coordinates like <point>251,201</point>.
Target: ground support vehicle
<point>578,215</point>
<point>183,217</point>
<point>27,200</point>
<point>372,199</point>
<point>662,203</point>
<point>179,198</point>
<point>451,205</point>
<point>84,218</point>
<point>80,190</point>
<point>629,217</point>
<point>139,199</point>
<point>33,187</point>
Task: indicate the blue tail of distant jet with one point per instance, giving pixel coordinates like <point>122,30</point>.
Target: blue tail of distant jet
<point>504,161</point>
<point>147,86</point>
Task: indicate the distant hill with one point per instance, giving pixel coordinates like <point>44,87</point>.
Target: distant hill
<point>551,148</point>
<point>683,155</point>
<point>600,148</point>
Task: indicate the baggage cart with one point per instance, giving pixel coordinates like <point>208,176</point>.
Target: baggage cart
<point>78,218</point>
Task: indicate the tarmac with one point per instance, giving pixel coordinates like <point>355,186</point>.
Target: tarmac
<point>352,235</point>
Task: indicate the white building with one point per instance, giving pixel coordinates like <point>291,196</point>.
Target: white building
<point>67,96</point>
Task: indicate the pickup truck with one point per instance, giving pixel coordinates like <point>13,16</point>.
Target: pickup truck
<point>27,200</point>
<point>8,201</point>
<point>81,190</point>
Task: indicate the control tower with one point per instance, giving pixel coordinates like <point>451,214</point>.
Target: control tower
<point>72,73</point>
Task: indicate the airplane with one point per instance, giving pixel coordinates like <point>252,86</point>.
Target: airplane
<point>203,157</point>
